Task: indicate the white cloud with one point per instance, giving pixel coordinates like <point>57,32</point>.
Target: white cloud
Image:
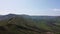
<point>52,12</point>
<point>4,12</point>
<point>55,9</point>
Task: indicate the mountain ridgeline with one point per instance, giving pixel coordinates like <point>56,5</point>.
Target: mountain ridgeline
<point>25,24</point>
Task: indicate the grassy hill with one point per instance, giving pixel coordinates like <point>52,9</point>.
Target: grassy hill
<point>18,24</point>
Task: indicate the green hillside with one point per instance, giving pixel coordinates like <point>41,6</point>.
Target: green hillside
<point>21,25</point>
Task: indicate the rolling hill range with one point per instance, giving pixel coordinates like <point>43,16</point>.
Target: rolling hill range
<point>25,24</point>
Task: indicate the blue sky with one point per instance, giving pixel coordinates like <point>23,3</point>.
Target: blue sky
<point>30,7</point>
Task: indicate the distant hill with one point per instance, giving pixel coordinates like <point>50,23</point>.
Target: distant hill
<point>25,24</point>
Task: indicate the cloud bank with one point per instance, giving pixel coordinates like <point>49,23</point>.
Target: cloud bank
<point>49,12</point>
